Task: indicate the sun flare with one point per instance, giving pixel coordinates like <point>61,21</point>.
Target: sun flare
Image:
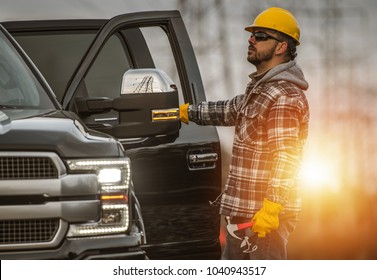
<point>319,173</point>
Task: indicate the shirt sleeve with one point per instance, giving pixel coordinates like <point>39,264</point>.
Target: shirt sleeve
<point>219,113</point>
<point>285,146</point>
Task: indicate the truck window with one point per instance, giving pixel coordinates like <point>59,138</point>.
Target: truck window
<point>162,54</point>
<point>56,55</point>
<point>105,76</point>
<point>19,88</point>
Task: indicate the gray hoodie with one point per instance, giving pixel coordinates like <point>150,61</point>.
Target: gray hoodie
<point>289,72</point>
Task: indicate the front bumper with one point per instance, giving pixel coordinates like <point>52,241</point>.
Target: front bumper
<point>118,246</point>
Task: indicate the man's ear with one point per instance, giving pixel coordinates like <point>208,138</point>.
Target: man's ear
<point>281,48</point>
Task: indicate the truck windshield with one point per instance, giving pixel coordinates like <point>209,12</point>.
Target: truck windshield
<point>19,88</point>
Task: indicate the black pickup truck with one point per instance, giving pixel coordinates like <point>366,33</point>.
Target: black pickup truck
<point>100,166</point>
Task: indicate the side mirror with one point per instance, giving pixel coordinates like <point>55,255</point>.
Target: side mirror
<point>146,80</point>
<point>148,105</point>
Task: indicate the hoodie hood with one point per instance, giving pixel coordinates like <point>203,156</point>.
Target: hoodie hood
<point>289,72</point>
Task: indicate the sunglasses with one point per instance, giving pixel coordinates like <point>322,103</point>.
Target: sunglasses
<point>261,36</point>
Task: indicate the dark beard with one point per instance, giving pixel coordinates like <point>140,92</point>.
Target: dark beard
<point>260,57</point>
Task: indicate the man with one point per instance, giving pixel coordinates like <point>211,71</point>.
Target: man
<point>271,127</point>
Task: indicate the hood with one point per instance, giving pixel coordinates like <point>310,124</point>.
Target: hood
<point>53,130</point>
<point>289,72</point>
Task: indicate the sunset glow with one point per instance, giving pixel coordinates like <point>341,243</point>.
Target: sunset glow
<point>318,173</point>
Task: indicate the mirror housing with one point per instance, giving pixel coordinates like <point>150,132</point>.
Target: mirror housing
<point>146,80</point>
<point>148,105</point>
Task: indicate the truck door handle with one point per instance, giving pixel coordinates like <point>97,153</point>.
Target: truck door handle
<point>199,161</point>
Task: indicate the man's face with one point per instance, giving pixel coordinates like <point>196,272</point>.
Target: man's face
<point>261,48</point>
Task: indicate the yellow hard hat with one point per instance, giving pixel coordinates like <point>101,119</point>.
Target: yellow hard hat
<point>277,19</point>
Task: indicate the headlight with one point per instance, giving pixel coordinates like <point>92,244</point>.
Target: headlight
<point>114,178</point>
<point>109,175</point>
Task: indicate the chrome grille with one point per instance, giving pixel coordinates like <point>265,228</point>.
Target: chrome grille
<point>27,168</point>
<point>28,231</point>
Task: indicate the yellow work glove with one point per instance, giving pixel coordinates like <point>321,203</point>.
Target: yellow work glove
<point>267,219</point>
<point>183,113</point>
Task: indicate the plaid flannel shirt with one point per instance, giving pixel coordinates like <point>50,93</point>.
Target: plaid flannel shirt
<point>271,127</point>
